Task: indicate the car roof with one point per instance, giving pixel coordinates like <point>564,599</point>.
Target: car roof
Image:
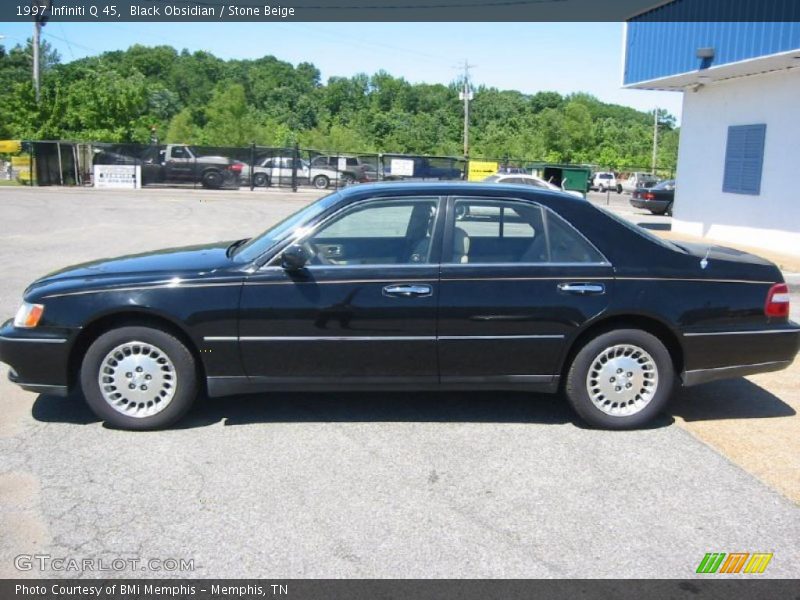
<point>454,188</point>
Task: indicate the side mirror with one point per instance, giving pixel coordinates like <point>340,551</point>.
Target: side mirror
<point>294,257</point>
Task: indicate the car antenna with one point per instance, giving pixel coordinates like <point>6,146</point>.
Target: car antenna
<point>704,262</point>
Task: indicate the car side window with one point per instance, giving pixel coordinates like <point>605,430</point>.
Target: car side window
<point>377,232</point>
<point>511,231</point>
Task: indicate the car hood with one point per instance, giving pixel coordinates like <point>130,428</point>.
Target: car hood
<point>160,264</point>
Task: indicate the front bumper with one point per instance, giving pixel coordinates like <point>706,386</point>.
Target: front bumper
<point>37,358</point>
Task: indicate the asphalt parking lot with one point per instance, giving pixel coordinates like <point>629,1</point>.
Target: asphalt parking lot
<point>360,485</point>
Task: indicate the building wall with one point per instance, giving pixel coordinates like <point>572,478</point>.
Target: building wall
<point>771,219</point>
<point>656,49</point>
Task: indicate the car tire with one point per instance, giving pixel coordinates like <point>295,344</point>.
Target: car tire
<point>141,367</point>
<point>620,379</point>
<point>260,180</point>
<point>212,179</point>
<point>668,210</point>
<point>321,182</point>
<point>619,188</point>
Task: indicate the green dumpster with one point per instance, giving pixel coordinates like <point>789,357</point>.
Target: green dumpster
<point>567,177</point>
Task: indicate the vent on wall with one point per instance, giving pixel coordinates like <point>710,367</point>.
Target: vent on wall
<point>744,158</point>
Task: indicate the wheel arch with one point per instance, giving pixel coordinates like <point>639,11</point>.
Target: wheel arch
<point>123,318</point>
<point>647,323</point>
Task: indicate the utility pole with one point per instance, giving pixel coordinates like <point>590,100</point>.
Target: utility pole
<point>39,21</point>
<point>655,139</point>
<point>466,95</point>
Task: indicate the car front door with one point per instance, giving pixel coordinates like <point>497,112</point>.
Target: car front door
<point>362,311</point>
<point>517,282</point>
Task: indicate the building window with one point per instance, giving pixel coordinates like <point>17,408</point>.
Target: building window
<point>744,156</point>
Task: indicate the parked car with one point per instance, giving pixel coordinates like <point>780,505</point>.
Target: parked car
<point>657,199</point>
<point>530,180</point>
<point>351,169</point>
<point>176,163</point>
<point>605,180</point>
<point>638,180</point>
<point>398,287</point>
<point>280,168</point>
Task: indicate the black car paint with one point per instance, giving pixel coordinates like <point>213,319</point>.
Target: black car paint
<point>498,326</point>
<point>657,199</point>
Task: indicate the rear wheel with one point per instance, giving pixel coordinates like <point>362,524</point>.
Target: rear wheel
<point>139,378</point>
<point>668,210</point>
<point>260,180</point>
<point>212,179</point>
<point>621,379</point>
<point>321,182</point>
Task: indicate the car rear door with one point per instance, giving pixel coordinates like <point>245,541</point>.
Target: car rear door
<point>517,283</point>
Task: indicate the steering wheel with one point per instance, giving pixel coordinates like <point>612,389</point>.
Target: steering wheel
<point>314,255</point>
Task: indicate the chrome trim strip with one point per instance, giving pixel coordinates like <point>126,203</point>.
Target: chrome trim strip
<point>697,279</point>
<point>156,286</point>
<point>34,340</point>
<point>354,338</point>
<point>549,278</point>
<point>754,332</point>
<point>334,281</point>
<point>501,337</point>
<point>373,338</point>
<point>606,265</point>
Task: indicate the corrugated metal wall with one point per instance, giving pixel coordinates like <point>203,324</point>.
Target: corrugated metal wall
<point>663,47</point>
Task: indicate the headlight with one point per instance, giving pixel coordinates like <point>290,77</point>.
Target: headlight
<point>28,315</point>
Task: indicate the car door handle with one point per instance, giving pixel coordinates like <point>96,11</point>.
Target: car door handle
<point>582,289</point>
<point>408,290</point>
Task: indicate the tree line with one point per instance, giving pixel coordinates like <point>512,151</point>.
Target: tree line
<point>197,98</point>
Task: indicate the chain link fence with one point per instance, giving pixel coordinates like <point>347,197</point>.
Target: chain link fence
<point>258,167</point>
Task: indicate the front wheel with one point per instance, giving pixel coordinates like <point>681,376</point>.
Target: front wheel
<point>139,378</point>
<point>621,379</point>
<point>260,180</point>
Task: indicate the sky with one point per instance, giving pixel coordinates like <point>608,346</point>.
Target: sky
<point>529,57</point>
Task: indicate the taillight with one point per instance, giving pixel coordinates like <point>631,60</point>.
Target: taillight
<point>777,304</point>
<point>648,196</point>
<point>237,167</point>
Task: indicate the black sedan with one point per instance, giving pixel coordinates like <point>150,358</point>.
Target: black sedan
<point>407,287</point>
<point>657,199</point>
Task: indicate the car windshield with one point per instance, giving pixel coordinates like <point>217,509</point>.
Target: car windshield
<point>669,184</point>
<point>640,230</point>
<point>605,176</point>
<point>261,243</point>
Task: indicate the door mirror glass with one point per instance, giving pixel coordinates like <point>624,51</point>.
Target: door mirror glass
<point>294,257</point>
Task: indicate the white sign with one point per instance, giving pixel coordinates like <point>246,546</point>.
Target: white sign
<point>342,163</point>
<point>402,166</point>
<point>118,176</point>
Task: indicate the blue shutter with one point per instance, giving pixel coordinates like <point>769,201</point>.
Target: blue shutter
<point>744,157</point>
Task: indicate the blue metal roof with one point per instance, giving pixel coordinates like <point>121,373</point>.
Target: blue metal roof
<point>659,44</point>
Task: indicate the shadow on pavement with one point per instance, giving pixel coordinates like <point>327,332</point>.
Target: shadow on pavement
<point>351,407</point>
<point>728,399</point>
<point>731,399</point>
<point>656,226</point>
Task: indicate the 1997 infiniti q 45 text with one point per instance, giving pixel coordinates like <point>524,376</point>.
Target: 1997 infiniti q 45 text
<point>408,286</point>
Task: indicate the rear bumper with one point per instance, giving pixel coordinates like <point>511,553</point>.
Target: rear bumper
<point>713,355</point>
<point>37,359</point>
<point>705,375</point>
<point>657,205</point>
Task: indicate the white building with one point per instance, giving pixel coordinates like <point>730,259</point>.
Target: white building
<point>738,173</point>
